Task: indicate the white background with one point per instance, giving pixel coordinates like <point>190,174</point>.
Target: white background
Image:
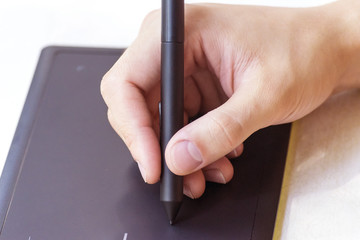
<point>26,26</point>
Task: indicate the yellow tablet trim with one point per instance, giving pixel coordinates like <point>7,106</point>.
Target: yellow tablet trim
<point>280,216</point>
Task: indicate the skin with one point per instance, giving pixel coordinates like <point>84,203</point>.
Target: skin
<point>246,68</point>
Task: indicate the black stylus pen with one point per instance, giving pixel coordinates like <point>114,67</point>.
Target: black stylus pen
<point>172,97</point>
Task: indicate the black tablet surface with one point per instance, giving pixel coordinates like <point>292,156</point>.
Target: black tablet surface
<point>69,176</point>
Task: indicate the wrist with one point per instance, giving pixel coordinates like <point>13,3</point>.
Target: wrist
<point>342,23</point>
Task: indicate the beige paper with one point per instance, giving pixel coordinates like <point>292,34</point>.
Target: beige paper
<point>320,198</point>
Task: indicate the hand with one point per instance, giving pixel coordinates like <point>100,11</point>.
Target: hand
<point>246,68</point>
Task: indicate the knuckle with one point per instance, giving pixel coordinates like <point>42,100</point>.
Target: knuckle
<point>153,14</point>
<point>110,83</point>
<point>151,17</point>
<point>105,84</point>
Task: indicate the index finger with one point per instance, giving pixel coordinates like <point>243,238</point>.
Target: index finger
<point>125,89</point>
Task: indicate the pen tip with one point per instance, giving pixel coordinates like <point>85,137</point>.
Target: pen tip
<point>172,209</point>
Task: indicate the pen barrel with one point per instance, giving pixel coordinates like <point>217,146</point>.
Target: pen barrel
<point>172,114</point>
<point>172,17</point>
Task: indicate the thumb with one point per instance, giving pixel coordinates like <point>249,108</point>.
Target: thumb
<point>215,134</point>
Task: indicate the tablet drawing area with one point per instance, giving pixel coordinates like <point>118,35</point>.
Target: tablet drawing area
<point>77,180</point>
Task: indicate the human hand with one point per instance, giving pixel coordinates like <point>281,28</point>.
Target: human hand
<point>246,68</point>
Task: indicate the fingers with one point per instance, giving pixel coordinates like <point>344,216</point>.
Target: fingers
<point>192,97</point>
<point>194,184</point>
<point>127,90</point>
<point>220,171</point>
<point>216,134</point>
<point>236,152</point>
<point>131,90</point>
<point>131,119</point>
<point>143,146</point>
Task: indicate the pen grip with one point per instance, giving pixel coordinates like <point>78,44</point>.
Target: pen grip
<point>172,113</point>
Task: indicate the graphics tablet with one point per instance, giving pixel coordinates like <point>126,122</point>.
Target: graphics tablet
<point>69,176</point>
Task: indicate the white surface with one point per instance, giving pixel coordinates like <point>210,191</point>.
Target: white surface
<point>323,200</point>
<point>323,183</point>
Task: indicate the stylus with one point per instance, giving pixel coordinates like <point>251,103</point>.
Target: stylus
<point>172,98</point>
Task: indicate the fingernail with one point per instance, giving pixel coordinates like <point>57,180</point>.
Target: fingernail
<point>235,153</point>
<point>186,156</point>
<point>188,192</point>
<point>142,171</point>
<point>214,175</point>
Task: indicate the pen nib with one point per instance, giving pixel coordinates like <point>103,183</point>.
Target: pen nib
<point>172,209</point>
